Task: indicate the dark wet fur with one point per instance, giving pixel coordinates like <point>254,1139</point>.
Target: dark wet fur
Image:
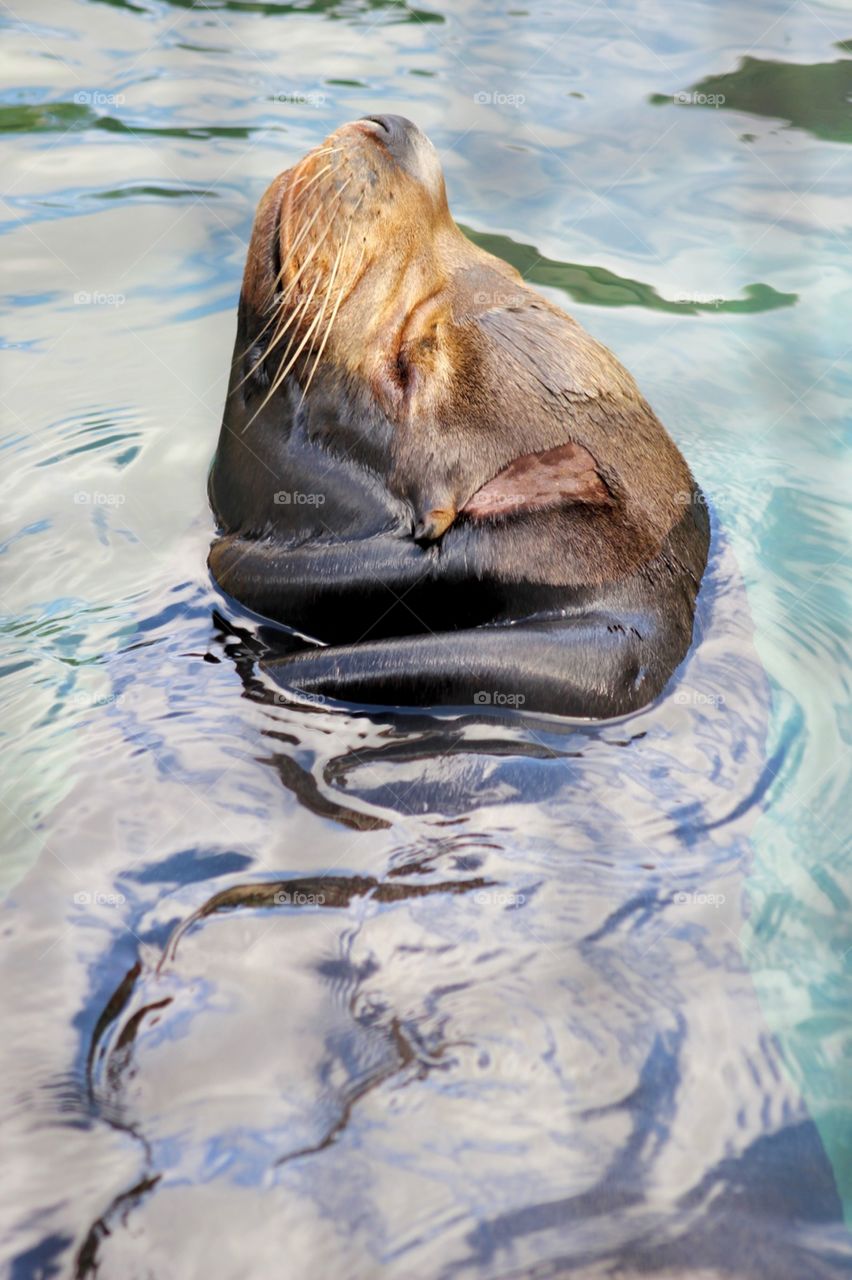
<point>580,609</point>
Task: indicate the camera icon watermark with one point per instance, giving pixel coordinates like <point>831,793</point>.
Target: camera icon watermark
<point>498,898</point>
<point>690,498</point>
<point>296,97</point>
<point>96,98</point>
<point>498,298</point>
<point>698,299</point>
<point>698,698</point>
<point>97,898</point>
<point>294,497</point>
<point>293,697</point>
<point>89,700</point>
<point>85,298</point>
<point>494,98</point>
<point>94,498</point>
<point>698,899</point>
<point>496,698</point>
<point>284,898</point>
<point>715,100</point>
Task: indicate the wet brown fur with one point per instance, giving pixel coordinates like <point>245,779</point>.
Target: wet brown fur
<point>470,366</point>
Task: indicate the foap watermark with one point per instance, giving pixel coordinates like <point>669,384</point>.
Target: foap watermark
<point>699,299</point>
<point>496,698</point>
<point>495,98</point>
<point>693,99</point>
<point>298,898</point>
<point>97,98</point>
<point>498,500</point>
<point>313,98</point>
<point>294,299</point>
<point>497,298</point>
<point>98,898</point>
<point>295,696</point>
<point>697,698</point>
<point>95,498</point>
<point>295,497</point>
<point>89,700</point>
<point>690,498</point>
<point>498,898</point>
<point>83,298</point>
<point>682,899</point>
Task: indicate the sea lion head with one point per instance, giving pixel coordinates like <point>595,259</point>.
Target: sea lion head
<point>361,293</point>
<point>377,332</point>
<point>352,262</point>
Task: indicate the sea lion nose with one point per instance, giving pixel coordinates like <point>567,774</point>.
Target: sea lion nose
<point>411,149</point>
<point>398,131</point>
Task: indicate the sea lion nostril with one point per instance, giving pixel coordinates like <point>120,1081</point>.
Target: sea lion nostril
<point>381,121</point>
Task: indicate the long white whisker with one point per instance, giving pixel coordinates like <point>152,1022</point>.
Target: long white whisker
<point>279,377</point>
<point>327,333</point>
<point>280,302</point>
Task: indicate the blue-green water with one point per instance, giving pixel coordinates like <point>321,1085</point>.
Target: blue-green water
<point>577,1001</point>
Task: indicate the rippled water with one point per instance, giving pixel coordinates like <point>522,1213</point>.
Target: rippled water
<point>294,990</point>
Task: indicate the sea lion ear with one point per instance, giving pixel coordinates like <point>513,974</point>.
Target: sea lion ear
<point>263,262</point>
<point>419,366</point>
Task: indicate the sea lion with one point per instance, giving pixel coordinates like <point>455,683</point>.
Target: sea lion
<point>432,471</point>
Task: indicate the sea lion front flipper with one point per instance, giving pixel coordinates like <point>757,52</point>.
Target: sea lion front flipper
<point>537,481</point>
<point>532,482</point>
<point>434,523</point>
<point>590,666</point>
<point>285,582</point>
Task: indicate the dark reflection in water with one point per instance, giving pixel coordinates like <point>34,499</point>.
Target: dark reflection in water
<point>388,10</point>
<point>816,97</point>
<point>604,288</point>
<point>483,1011</point>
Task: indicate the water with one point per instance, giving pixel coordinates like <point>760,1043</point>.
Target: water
<point>453,997</point>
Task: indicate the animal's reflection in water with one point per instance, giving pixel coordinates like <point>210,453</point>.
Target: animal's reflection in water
<point>509,1031</point>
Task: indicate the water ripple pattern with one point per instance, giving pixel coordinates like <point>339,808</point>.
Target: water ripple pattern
<point>291,989</point>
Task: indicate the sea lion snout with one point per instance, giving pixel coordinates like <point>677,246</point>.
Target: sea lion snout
<point>409,147</point>
<point>396,128</point>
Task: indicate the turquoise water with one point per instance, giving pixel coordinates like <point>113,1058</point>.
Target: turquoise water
<point>522,1035</point>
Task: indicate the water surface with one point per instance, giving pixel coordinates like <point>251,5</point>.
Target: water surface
<point>296,990</point>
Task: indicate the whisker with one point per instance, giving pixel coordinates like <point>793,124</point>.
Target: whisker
<point>276,304</point>
<point>313,178</point>
<point>302,309</point>
<point>279,303</point>
<point>279,300</point>
<point>282,374</point>
<point>301,235</point>
<point>279,377</point>
<point>297,313</point>
<point>327,333</point>
<point>331,279</point>
<point>292,285</point>
<point>305,230</point>
<point>325,151</point>
<point>328,226</point>
<point>294,315</point>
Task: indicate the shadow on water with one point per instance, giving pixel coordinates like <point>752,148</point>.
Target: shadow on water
<point>816,98</point>
<point>597,286</point>
<point>72,117</point>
